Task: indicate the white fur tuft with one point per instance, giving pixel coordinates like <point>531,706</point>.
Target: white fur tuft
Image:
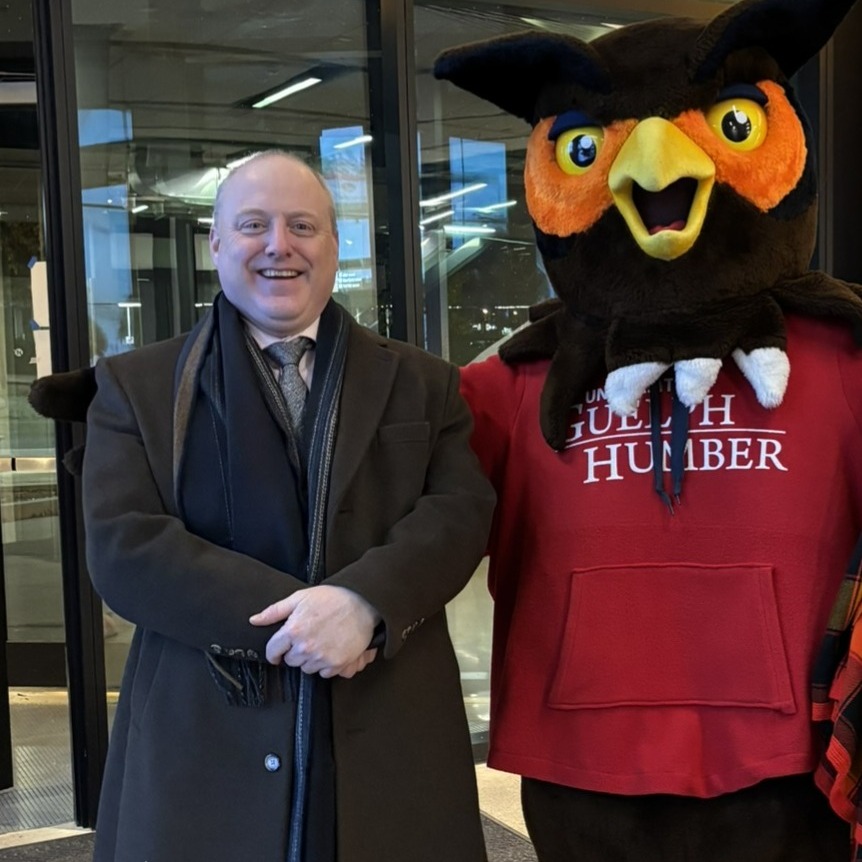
<point>625,386</point>
<point>694,379</point>
<point>767,369</point>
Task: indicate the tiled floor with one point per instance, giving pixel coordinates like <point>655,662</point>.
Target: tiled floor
<point>40,805</point>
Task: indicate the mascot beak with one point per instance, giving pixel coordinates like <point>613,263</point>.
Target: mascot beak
<point>661,182</point>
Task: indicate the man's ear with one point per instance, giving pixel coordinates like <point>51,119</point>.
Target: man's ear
<point>214,243</point>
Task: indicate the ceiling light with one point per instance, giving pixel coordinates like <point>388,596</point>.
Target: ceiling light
<point>436,217</point>
<point>362,139</point>
<point>140,208</point>
<point>493,207</point>
<point>433,202</point>
<point>466,230</point>
<point>286,91</point>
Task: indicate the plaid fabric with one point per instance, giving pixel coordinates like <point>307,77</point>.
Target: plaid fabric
<point>837,703</point>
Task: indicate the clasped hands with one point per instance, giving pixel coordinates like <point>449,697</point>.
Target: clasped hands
<point>326,630</point>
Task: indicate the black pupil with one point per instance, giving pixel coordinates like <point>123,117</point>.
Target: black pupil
<point>583,150</point>
<point>736,126</point>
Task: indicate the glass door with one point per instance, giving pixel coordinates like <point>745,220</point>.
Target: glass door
<point>35,770</point>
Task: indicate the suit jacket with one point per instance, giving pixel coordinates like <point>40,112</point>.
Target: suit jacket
<point>189,777</point>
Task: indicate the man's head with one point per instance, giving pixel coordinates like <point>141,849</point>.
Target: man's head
<point>274,242</point>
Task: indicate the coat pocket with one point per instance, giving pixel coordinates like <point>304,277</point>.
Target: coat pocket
<point>676,633</point>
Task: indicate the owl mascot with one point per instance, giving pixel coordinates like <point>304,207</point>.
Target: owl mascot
<point>676,442</point>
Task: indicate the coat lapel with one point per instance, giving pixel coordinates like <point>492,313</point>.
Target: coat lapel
<point>369,374</point>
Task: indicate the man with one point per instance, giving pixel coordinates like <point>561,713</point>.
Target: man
<point>262,551</point>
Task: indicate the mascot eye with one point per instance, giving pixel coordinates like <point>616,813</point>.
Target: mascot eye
<point>577,149</point>
<point>741,123</point>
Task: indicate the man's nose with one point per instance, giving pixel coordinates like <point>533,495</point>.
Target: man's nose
<point>279,240</point>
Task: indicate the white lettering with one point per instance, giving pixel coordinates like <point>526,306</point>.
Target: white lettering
<point>724,410</point>
<point>769,452</point>
<point>633,465</point>
<point>594,426</point>
<point>739,457</point>
<point>593,463</point>
<point>631,423</point>
<point>576,429</point>
<point>713,459</point>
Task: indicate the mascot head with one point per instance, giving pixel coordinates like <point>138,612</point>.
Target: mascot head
<point>670,179</point>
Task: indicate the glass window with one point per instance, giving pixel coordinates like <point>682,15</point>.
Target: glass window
<point>170,95</point>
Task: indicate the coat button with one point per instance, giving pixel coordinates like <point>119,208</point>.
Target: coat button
<point>272,763</point>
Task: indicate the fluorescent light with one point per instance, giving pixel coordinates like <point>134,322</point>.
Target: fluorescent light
<point>493,207</point>
<point>140,208</point>
<point>287,91</point>
<point>231,165</point>
<point>611,26</point>
<point>433,202</point>
<point>362,139</point>
<point>466,230</point>
<point>205,220</point>
<point>129,304</point>
<point>436,217</point>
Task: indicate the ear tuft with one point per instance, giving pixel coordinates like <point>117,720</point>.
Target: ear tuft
<point>790,31</point>
<point>512,71</point>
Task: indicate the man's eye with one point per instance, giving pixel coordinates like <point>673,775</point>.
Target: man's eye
<point>302,228</point>
<point>252,226</point>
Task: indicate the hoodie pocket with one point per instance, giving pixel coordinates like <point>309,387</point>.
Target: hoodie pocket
<point>676,633</point>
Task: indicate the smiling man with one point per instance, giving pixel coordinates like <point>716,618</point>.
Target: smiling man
<point>283,502</point>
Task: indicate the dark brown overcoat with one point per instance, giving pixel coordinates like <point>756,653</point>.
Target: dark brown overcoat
<point>191,778</point>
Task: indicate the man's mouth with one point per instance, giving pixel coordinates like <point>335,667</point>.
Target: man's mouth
<point>279,273</point>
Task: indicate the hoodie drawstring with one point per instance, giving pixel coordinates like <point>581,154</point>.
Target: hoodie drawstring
<point>678,441</point>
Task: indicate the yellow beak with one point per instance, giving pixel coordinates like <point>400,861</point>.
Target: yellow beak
<point>661,182</point>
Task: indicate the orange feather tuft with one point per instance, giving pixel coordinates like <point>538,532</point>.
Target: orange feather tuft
<point>562,204</point>
<point>764,176</point>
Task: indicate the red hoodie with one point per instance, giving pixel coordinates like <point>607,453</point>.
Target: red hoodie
<point>638,651</point>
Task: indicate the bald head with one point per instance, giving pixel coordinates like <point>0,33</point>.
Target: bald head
<point>237,172</point>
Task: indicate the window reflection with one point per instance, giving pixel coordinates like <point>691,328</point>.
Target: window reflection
<point>170,96</point>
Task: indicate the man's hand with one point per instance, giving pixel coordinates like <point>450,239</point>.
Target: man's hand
<point>327,630</point>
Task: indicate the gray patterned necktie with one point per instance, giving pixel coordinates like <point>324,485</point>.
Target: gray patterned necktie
<point>286,355</point>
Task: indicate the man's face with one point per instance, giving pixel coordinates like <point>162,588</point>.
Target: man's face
<point>273,245</point>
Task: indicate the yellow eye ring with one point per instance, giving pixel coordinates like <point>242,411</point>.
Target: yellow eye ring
<point>576,150</point>
<point>739,123</point>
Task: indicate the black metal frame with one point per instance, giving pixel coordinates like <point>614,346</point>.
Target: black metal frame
<point>841,167</point>
<point>56,105</point>
<point>392,86</point>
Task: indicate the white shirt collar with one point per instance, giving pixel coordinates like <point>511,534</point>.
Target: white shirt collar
<point>263,340</point>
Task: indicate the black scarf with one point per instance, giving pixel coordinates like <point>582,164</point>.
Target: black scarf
<point>231,437</point>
